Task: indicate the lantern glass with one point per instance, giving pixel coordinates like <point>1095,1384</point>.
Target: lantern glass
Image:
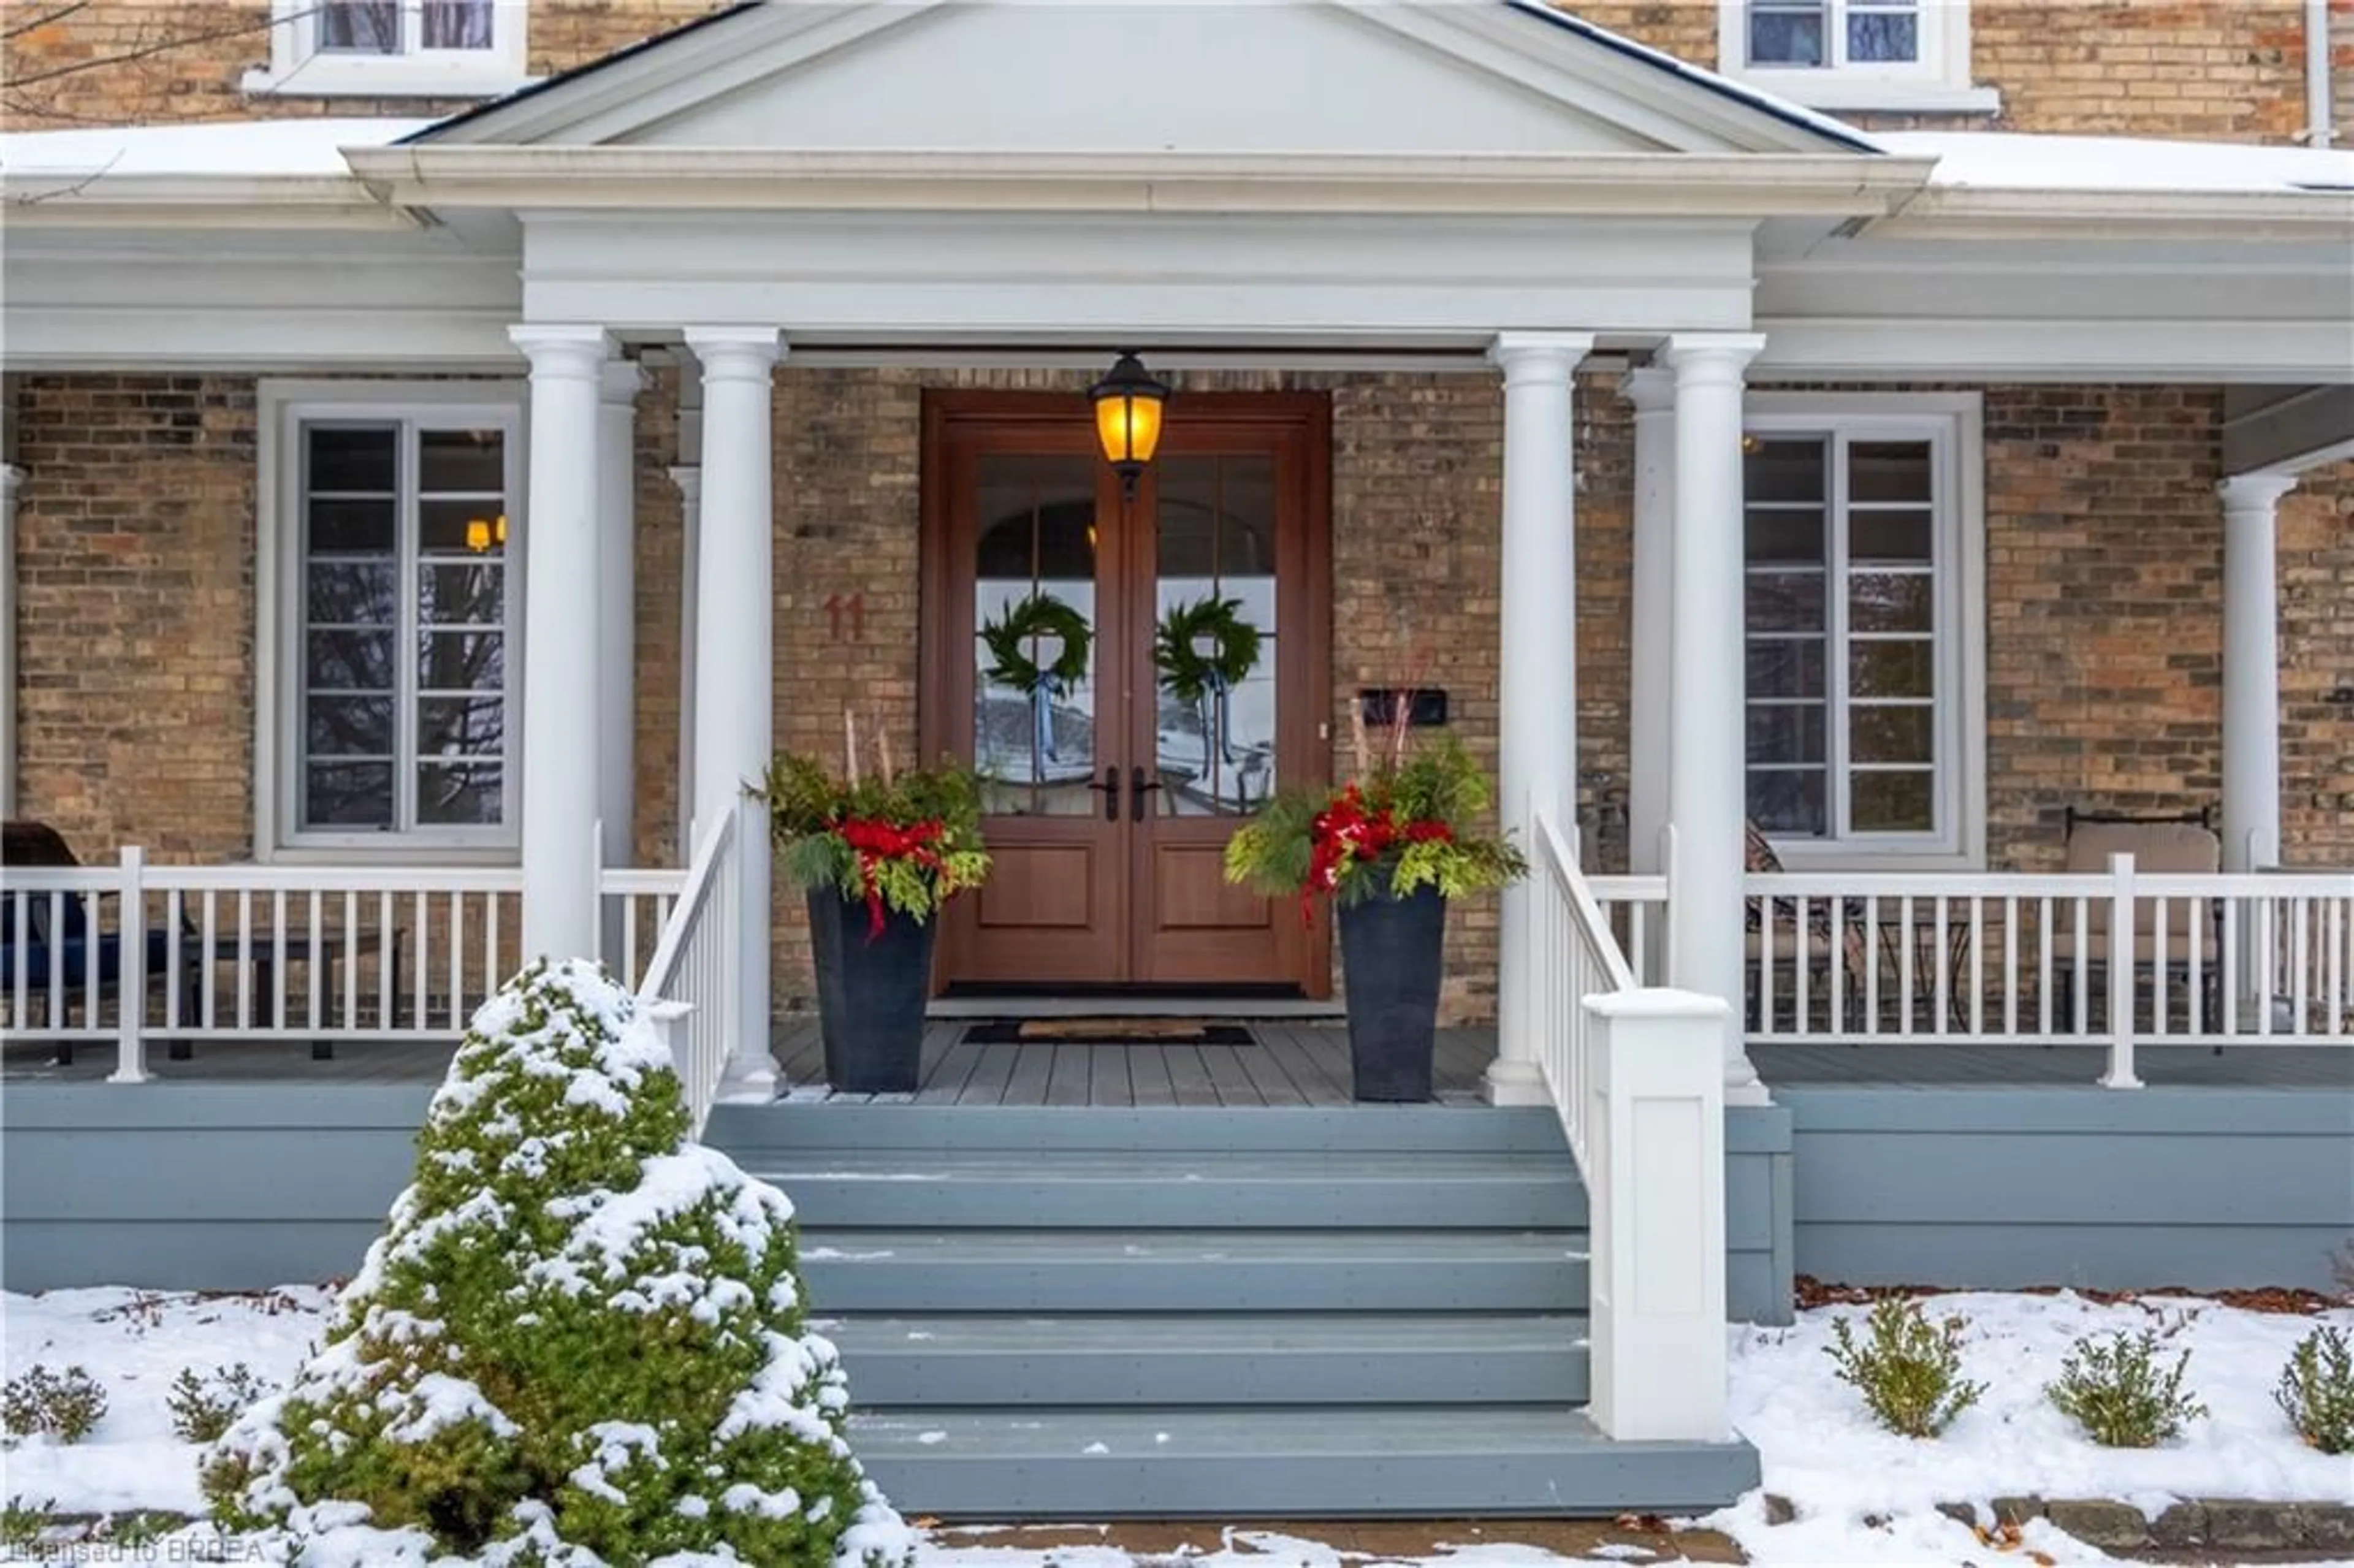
<point>1128,426</point>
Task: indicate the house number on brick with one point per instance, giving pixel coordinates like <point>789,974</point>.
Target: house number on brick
<point>855,607</point>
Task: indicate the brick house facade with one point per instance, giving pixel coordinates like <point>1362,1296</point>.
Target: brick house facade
<point>136,539</point>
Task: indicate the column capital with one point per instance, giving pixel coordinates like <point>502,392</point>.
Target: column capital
<point>562,348</point>
<point>2254,492</point>
<point>736,353</point>
<point>1650,387</point>
<point>688,477</point>
<point>620,381</point>
<point>1536,357</point>
<point>1704,357</point>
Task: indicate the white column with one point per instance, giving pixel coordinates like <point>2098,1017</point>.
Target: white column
<point>1653,392</point>
<point>11,477</point>
<point>1536,719</point>
<point>561,611</point>
<point>2251,782</point>
<point>735,649</point>
<point>1705,676</point>
<point>689,480</point>
<point>617,614</point>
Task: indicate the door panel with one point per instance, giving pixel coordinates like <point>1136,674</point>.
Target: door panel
<point>1095,886</point>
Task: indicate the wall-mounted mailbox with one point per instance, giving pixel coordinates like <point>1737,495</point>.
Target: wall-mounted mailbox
<point>1426,705</point>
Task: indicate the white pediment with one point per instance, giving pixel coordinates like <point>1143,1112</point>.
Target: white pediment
<point>1455,76</point>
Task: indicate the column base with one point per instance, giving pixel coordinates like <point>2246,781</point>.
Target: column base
<point>748,1079</point>
<point>1753,1093</point>
<point>1515,1083</point>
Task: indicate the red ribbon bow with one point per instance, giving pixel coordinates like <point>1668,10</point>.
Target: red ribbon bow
<point>874,842</point>
<point>1346,831</point>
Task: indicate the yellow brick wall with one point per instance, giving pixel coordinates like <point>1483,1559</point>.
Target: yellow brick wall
<point>2220,69</point>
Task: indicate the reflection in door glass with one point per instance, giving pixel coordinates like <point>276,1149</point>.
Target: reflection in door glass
<point>1214,635</point>
<point>1034,647</point>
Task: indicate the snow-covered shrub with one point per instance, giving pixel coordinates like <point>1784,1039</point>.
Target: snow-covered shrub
<point>22,1520</point>
<point>68,1405</point>
<point>203,1405</point>
<point>582,1337</point>
<point>2116,1390</point>
<point>1909,1371</point>
<point>2316,1391</point>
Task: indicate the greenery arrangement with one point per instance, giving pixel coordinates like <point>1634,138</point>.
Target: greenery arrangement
<point>1012,642</point>
<point>894,839</point>
<point>67,1406</point>
<point>203,1405</point>
<point>1908,1369</point>
<point>1402,823</point>
<point>583,1338</point>
<point>1189,674</point>
<point>2316,1391</point>
<point>2117,1390</point>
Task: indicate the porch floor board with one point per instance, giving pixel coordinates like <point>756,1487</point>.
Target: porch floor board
<point>1295,1063</point>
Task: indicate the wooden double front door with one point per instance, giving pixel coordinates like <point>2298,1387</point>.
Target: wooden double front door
<point>1115,782</point>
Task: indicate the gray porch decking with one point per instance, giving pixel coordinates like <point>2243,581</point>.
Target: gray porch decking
<point>1295,1064</point>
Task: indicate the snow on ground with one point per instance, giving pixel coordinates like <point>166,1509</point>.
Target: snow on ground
<point>2010,160</point>
<point>1862,1496</point>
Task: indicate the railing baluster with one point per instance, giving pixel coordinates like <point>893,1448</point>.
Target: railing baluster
<point>2301,993</point>
<point>351,960</point>
<point>244,958</point>
<point>321,965</point>
<point>209,992</point>
<point>1871,963</point>
<point>1807,964</point>
<point>2010,964</point>
<point>1765,966</point>
<point>278,957</point>
<point>174,915</point>
<point>1906,930</point>
<point>1942,962</point>
<point>56,1001</point>
<point>2164,913</point>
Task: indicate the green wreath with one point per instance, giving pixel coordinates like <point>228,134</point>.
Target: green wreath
<point>1188,674</point>
<point>1008,641</point>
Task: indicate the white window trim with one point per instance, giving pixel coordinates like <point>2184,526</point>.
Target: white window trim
<point>1960,600</point>
<point>298,70</point>
<point>1939,82</point>
<point>282,407</point>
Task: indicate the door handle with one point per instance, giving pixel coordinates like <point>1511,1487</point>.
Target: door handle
<point>1110,788</point>
<point>1136,788</point>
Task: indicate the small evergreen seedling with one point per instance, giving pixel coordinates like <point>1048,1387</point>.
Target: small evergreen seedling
<point>203,1406</point>
<point>583,1338</point>
<point>2117,1390</point>
<point>1908,1369</point>
<point>2316,1391</point>
<point>68,1406</point>
<point>21,1522</point>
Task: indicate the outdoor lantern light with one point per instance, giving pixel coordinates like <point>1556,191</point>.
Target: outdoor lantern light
<point>1128,402</point>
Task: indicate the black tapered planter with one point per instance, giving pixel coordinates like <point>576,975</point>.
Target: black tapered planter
<point>1390,952</point>
<point>869,994</point>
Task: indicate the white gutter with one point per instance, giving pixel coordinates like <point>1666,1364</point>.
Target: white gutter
<point>2320,112</point>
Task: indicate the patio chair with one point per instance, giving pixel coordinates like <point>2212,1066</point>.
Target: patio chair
<point>2175,844</point>
<point>58,940</point>
<point>1824,930</point>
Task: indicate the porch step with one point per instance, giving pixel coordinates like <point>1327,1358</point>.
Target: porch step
<point>1192,1271</point>
<point>1184,1359</point>
<point>1195,1189</point>
<point>1067,1312</point>
<point>1288,1463</point>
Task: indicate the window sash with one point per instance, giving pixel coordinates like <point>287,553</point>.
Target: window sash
<point>410,558</point>
<point>1839,768</point>
<point>483,27</point>
<point>1835,22</point>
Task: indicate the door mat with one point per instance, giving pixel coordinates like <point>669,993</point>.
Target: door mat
<point>1106,1032</point>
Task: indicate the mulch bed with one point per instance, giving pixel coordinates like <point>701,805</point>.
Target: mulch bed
<point>1813,1292</point>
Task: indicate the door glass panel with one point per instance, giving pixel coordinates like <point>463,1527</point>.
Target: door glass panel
<point>1034,704</point>
<point>1214,635</point>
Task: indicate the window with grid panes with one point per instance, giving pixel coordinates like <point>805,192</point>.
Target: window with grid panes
<point>1851,641</point>
<point>408,609</point>
<point>1832,34</point>
<point>458,47</point>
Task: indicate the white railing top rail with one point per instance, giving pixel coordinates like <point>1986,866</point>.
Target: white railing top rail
<point>1559,861</point>
<point>694,895</point>
<point>266,877</point>
<point>641,881</point>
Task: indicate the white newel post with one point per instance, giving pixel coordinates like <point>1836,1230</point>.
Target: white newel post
<point>1652,390</point>
<point>1656,1135</point>
<point>617,624</point>
<point>689,481</point>
<point>562,609</point>
<point>734,652</point>
<point>2252,781</point>
<point>11,477</point>
<point>1706,672</point>
<point>1537,707</point>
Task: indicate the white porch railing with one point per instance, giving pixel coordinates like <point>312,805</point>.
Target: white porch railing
<point>637,907</point>
<point>2118,958</point>
<point>688,989</point>
<point>134,953</point>
<point>1638,1078</point>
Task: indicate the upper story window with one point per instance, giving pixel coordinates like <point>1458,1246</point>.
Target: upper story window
<point>395,47</point>
<point>393,628</point>
<point>1865,659</point>
<point>1896,55</point>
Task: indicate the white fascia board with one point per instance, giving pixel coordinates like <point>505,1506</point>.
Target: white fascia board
<point>197,201</point>
<point>1947,212</point>
<point>2163,351</point>
<point>639,178</point>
